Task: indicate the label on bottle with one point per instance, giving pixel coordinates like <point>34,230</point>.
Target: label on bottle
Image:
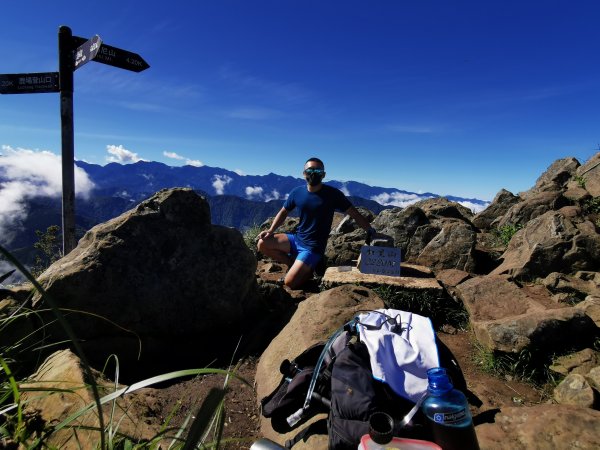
<point>453,417</point>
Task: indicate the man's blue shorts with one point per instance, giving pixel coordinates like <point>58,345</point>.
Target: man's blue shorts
<point>298,251</point>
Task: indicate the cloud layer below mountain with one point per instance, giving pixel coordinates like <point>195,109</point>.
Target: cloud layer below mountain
<point>28,174</point>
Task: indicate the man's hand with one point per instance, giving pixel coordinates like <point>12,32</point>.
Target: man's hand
<point>264,235</point>
<point>370,234</point>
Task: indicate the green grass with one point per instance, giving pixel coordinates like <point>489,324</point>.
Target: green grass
<point>505,233</point>
<point>591,205</point>
<point>440,308</point>
<point>18,427</point>
<point>580,181</point>
<point>528,365</point>
<point>250,238</point>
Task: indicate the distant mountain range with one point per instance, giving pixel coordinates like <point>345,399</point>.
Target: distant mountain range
<point>132,180</point>
<point>239,201</point>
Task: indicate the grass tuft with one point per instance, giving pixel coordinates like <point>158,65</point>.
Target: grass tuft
<point>20,429</point>
<point>441,309</point>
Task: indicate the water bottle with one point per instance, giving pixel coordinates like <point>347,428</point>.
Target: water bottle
<point>448,415</point>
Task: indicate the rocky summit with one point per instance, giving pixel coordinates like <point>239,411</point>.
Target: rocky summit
<point>526,271</point>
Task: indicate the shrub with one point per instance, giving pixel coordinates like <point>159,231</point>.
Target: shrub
<point>580,181</point>
<point>49,249</point>
<point>505,233</point>
<point>250,238</point>
<point>591,205</point>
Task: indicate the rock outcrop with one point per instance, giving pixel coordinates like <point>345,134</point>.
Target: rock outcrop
<point>66,390</point>
<point>541,427</point>
<point>163,273</point>
<point>160,272</point>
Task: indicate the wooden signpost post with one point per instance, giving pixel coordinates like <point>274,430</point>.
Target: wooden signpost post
<point>73,53</point>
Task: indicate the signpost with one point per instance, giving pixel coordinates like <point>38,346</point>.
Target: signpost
<point>87,51</point>
<point>117,57</point>
<point>28,83</point>
<point>73,53</point>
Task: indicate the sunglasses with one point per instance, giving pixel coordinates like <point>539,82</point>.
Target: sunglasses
<point>310,171</point>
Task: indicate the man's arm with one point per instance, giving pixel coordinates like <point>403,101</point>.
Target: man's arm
<point>360,219</point>
<point>279,218</point>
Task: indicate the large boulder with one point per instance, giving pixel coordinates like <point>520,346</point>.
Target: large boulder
<point>575,287</point>
<point>510,318</point>
<point>551,243</point>
<point>346,240</point>
<point>400,224</point>
<point>161,272</point>
<point>590,174</point>
<point>498,208</point>
<point>533,206</point>
<point>452,247</point>
<point>439,207</point>
<point>435,232</point>
<point>555,178</point>
<point>343,249</point>
<point>541,427</point>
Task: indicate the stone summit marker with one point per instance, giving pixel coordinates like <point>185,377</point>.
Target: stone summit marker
<point>379,260</point>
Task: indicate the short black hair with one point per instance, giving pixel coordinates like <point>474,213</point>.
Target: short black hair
<point>317,160</point>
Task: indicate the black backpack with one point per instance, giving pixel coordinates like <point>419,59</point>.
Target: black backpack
<point>344,387</point>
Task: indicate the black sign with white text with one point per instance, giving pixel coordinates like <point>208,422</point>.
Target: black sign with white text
<point>28,83</point>
<point>87,51</point>
<point>117,57</point>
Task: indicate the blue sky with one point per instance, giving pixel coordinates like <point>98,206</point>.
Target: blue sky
<point>457,98</point>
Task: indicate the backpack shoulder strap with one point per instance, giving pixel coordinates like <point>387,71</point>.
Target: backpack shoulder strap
<point>318,427</point>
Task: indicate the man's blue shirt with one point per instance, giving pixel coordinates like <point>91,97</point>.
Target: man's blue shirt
<point>316,213</point>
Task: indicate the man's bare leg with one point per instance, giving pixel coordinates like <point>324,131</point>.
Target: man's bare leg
<point>276,247</point>
<point>298,274</point>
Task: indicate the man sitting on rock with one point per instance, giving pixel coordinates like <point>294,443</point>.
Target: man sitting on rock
<point>316,202</point>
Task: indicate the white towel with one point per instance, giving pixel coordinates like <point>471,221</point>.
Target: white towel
<point>400,358</point>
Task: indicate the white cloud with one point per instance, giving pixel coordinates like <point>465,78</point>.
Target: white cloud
<point>173,155</point>
<point>253,191</point>
<point>475,207</point>
<point>219,182</point>
<point>345,190</point>
<point>189,162</point>
<point>257,192</point>
<point>397,199</point>
<point>240,172</point>
<point>274,195</point>
<point>194,162</point>
<point>404,200</point>
<point>121,155</point>
<point>29,174</point>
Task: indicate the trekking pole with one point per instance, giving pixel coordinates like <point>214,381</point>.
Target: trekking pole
<point>293,419</point>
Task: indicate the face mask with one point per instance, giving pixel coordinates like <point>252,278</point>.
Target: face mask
<point>314,177</point>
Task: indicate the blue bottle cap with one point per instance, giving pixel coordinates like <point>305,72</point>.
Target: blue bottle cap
<point>438,381</point>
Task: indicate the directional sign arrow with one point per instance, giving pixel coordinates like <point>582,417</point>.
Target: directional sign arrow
<point>117,57</point>
<point>28,83</point>
<point>87,51</point>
